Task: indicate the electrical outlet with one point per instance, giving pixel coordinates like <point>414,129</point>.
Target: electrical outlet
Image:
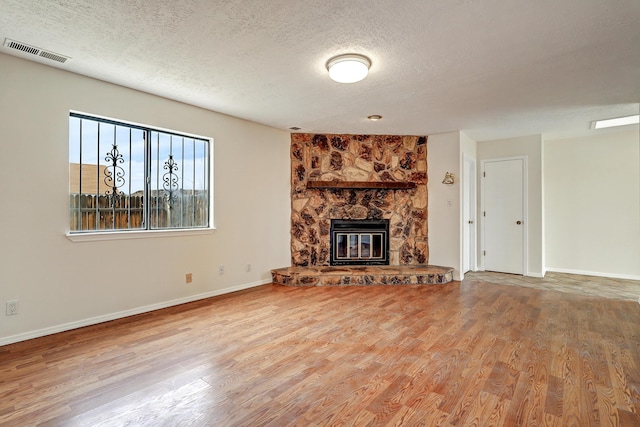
<point>188,278</point>
<point>248,268</point>
<point>221,269</point>
<point>12,308</point>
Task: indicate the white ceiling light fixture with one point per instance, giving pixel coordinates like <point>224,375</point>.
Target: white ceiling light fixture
<point>349,68</point>
<point>618,121</point>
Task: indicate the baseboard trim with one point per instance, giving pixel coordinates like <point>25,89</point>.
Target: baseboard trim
<point>529,274</point>
<point>126,313</point>
<point>594,273</point>
<point>537,275</point>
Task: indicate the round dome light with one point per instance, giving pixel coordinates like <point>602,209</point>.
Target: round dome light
<point>348,68</point>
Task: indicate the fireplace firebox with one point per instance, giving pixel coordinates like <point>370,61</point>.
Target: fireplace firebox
<point>359,242</point>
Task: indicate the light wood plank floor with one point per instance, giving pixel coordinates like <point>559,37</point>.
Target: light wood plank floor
<point>461,354</point>
<point>579,284</point>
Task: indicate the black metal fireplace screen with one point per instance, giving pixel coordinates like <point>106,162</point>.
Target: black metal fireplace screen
<point>359,242</point>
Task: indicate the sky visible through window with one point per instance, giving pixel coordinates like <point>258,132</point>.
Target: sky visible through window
<point>188,153</point>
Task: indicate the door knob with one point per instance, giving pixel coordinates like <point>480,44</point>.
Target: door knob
<point>518,222</point>
<point>470,222</point>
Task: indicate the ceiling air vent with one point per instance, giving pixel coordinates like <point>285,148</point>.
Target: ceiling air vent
<point>23,47</point>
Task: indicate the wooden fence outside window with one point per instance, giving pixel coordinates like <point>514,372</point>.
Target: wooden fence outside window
<point>93,212</point>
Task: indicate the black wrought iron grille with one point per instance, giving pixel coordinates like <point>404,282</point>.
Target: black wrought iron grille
<point>127,177</point>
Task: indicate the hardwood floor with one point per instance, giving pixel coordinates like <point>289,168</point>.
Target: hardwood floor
<point>605,287</point>
<point>460,354</point>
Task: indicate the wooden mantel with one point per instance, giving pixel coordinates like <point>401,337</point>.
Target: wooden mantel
<point>362,184</point>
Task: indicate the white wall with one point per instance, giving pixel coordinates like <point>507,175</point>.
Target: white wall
<point>593,204</point>
<point>443,155</point>
<point>531,146</point>
<point>61,284</point>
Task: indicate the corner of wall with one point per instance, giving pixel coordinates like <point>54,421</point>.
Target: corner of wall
<point>443,155</point>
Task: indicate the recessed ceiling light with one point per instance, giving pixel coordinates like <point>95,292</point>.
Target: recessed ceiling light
<point>374,117</point>
<point>349,68</point>
<point>619,121</point>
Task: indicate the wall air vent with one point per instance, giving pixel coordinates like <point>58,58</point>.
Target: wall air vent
<point>23,47</point>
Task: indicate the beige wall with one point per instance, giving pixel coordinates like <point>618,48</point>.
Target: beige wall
<point>593,204</point>
<point>61,284</point>
<point>443,155</point>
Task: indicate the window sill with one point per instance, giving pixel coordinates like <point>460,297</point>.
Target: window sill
<point>142,234</point>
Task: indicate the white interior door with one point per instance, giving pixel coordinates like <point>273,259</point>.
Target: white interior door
<point>468,215</point>
<point>503,215</point>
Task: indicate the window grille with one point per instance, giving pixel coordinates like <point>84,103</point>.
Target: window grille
<point>126,177</point>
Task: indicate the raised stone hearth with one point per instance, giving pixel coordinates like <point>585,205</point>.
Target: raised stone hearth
<point>362,275</point>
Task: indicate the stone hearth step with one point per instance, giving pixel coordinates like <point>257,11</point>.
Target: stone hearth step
<point>362,275</point>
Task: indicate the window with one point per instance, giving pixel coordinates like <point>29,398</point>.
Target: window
<point>126,177</point>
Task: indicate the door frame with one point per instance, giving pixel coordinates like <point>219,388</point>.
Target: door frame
<point>469,181</point>
<point>525,209</point>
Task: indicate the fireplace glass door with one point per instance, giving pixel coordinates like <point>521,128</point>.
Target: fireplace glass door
<point>353,246</point>
<point>359,242</point>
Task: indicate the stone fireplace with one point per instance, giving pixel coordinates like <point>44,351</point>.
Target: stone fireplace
<point>358,177</point>
<point>341,182</point>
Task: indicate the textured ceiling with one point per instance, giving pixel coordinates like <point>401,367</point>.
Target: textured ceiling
<point>492,68</point>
